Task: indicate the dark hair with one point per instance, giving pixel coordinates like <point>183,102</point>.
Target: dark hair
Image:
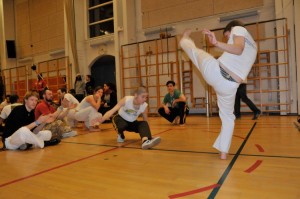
<point>170,82</point>
<point>72,91</point>
<point>63,90</point>
<point>13,98</point>
<point>78,78</point>
<point>97,88</point>
<point>111,86</point>
<point>233,24</point>
<point>44,90</point>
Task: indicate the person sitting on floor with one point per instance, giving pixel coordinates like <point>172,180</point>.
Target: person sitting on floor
<point>71,102</point>
<point>174,105</point>
<point>5,102</point>
<point>58,127</point>
<point>129,108</point>
<point>19,124</point>
<point>8,108</point>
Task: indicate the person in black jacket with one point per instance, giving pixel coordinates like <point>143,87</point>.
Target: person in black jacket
<point>21,128</point>
<point>109,98</point>
<point>89,85</point>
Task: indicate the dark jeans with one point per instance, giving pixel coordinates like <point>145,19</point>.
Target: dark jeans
<point>103,109</point>
<point>174,112</point>
<point>79,97</point>
<point>141,127</point>
<point>241,94</point>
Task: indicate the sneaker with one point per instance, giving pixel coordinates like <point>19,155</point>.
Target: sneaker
<point>69,134</point>
<point>256,115</point>
<point>52,142</point>
<point>237,117</point>
<point>25,146</point>
<point>120,139</point>
<point>151,143</point>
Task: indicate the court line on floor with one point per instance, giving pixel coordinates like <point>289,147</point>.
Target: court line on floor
<point>68,163</point>
<point>228,169</point>
<point>181,151</point>
<point>254,166</point>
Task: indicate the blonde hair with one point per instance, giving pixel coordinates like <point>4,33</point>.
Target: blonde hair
<point>31,93</point>
<point>140,90</point>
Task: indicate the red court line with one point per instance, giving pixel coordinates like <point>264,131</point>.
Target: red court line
<point>68,163</point>
<point>179,195</point>
<point>238,136</point>
<point>254,166</point>
<point>260,149</point>
<point>53,168</point>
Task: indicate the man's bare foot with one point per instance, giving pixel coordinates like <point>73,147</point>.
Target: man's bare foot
<point>186,33</point>
<point>223,156</point>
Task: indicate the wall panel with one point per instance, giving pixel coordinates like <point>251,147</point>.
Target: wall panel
<point>159,13</point>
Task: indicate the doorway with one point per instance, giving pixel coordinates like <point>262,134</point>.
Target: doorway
<point>103,70</point>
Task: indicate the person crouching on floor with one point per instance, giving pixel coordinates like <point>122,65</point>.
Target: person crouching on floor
<point>129,108</point>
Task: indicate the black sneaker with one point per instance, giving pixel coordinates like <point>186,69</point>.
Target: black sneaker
<point>52,142</point>
<point>256,115</point>
<point>238,117</point>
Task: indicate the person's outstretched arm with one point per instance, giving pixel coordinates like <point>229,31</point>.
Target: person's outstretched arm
<point>109,113</point>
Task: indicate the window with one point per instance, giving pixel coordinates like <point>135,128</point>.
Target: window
<point>101,18</point>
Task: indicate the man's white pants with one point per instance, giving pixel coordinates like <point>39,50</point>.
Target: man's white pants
<point>225,90</point>
<point>87,115</point>
<point>71,118</point>
<point>24,135</point>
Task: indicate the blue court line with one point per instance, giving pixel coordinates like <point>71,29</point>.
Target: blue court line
<point>226,172</point>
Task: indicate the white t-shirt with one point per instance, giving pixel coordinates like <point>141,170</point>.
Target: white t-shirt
<point>4,103</point>
<point>71,98</point>
<point>240,64</point>
<point>128,112</point>
<point>83,104</point>
<point>7,110</point>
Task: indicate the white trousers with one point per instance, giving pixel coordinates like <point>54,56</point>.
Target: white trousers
<point>24,135</point>
<point>87,115</point>
<point>71,118</point>
<point>225,90</point>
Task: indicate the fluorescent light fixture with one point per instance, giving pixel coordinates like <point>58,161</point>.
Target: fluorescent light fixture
<point>56,52</point>
<point>238,16</point>
<point>158,30</point>
<point>102,40</point>
<point>26,59</point>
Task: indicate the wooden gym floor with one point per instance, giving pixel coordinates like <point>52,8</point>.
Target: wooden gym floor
<point>264,162</point>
